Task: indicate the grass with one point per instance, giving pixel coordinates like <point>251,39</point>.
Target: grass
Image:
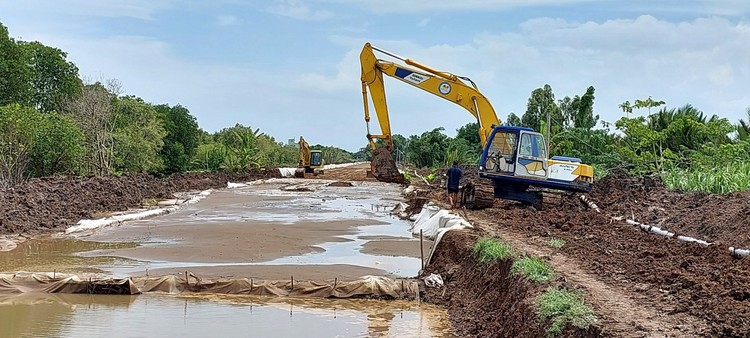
<point>556,243</point>
<point>723,180</point>
<point>564,307</point>
<point>533,269</point>
<point>491,249</point>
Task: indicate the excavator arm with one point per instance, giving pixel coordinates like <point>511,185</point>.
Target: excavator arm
<point>442,84</point>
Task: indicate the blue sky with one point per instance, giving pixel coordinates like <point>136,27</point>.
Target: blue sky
<point>291,67</point>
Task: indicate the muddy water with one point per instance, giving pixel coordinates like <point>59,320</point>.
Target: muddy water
<point>61,315</point>
<point>58,254</point>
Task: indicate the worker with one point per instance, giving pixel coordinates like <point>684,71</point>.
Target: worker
<point>454,177</point>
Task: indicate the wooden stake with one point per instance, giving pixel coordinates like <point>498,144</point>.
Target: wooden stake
<point>251,285</point>
<point>421,248</point>
<point>292,284</point>
<point>187,282</point>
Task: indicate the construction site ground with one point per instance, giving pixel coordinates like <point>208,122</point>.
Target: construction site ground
<point>640,284</point>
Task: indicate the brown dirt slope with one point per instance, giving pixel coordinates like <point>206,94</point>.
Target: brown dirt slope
<point>484,300</point>
<point>53,203</point>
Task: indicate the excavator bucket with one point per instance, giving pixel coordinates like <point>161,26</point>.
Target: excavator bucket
<point>299,173</point>
<point>384,167</point>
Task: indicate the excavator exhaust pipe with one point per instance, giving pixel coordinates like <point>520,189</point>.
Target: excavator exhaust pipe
<point>384,168</point>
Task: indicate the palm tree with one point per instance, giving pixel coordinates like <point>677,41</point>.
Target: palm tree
<point>743,128</point>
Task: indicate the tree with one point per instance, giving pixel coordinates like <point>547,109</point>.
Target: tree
<point>182,137</point>
<point>58,146</point>
<point>470,133</point>
<point>743,128</point>
<point>583,110</point>
<point>92,113</point>
<point>647,103</point>
<point>428,149</point>
<point>540,104</point>
<point>17,129</point>
<point>513,120</point>
<point>52,79</point>
<point>138,136</point>
<point>14,73</point>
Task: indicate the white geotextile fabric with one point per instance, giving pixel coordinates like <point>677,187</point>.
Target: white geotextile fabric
<point>92,224</point>
<point>432,220</point>
<point>289,172</point>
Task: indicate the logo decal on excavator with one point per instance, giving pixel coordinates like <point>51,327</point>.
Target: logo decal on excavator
<point>444,88</point>
<point>410,76</point>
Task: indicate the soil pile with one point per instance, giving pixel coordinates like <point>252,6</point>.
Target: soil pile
<point>54,203</point>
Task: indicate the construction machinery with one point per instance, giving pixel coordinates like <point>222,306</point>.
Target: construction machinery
<point>310,161</point>
<point>514,158</point>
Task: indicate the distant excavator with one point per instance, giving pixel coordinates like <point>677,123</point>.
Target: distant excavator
<point>514,158</point>
<point>310,161</point>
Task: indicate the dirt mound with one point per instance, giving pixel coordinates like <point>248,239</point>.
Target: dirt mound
<point>485,301</point>
<point>722,219</point>
<point>53,203</point>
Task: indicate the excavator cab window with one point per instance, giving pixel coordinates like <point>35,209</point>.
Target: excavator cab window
<point>501,155</point>
<point>532,145</point>
<point>316,159</point>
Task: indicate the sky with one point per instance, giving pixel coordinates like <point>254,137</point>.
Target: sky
<point>291,67</point>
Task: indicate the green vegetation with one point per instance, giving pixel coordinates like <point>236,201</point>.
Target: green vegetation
<point>533,269</point>
<point>492,249</point>
<point>734,177</point>
<point>564,307</point>
<point>556,243</point>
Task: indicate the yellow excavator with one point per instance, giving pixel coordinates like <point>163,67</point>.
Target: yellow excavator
<point>310,161</point>
<point>514,158</point>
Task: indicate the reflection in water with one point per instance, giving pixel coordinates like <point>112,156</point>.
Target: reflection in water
<point>58,254</point>
<point>151,315</point>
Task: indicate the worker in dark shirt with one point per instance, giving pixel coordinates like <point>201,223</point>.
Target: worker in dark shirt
<point>454,177</point>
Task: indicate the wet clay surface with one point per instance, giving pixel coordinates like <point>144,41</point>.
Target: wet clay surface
<point>274,229</point>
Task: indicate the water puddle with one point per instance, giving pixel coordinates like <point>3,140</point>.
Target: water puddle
<point>152,315</point>
<point>58,254</point>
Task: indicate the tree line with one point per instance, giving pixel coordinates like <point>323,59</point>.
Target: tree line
<point>689,149</point>
<point>54,122</point>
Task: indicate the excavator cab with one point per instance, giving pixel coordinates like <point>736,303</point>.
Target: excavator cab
<point>316,159</point>
<point>516,158</point>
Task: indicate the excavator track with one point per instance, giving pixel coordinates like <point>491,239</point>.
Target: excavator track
<point>384,167</point>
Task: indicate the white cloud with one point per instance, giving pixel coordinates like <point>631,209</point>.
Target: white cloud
<point>423,23</point>
<point>678,62</point>
<point>226,20</point>
<point>295,9</point>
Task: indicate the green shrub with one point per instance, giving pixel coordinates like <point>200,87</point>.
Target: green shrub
<point>491,249</point>
<point>564,307</point>
<point>533,269</point>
